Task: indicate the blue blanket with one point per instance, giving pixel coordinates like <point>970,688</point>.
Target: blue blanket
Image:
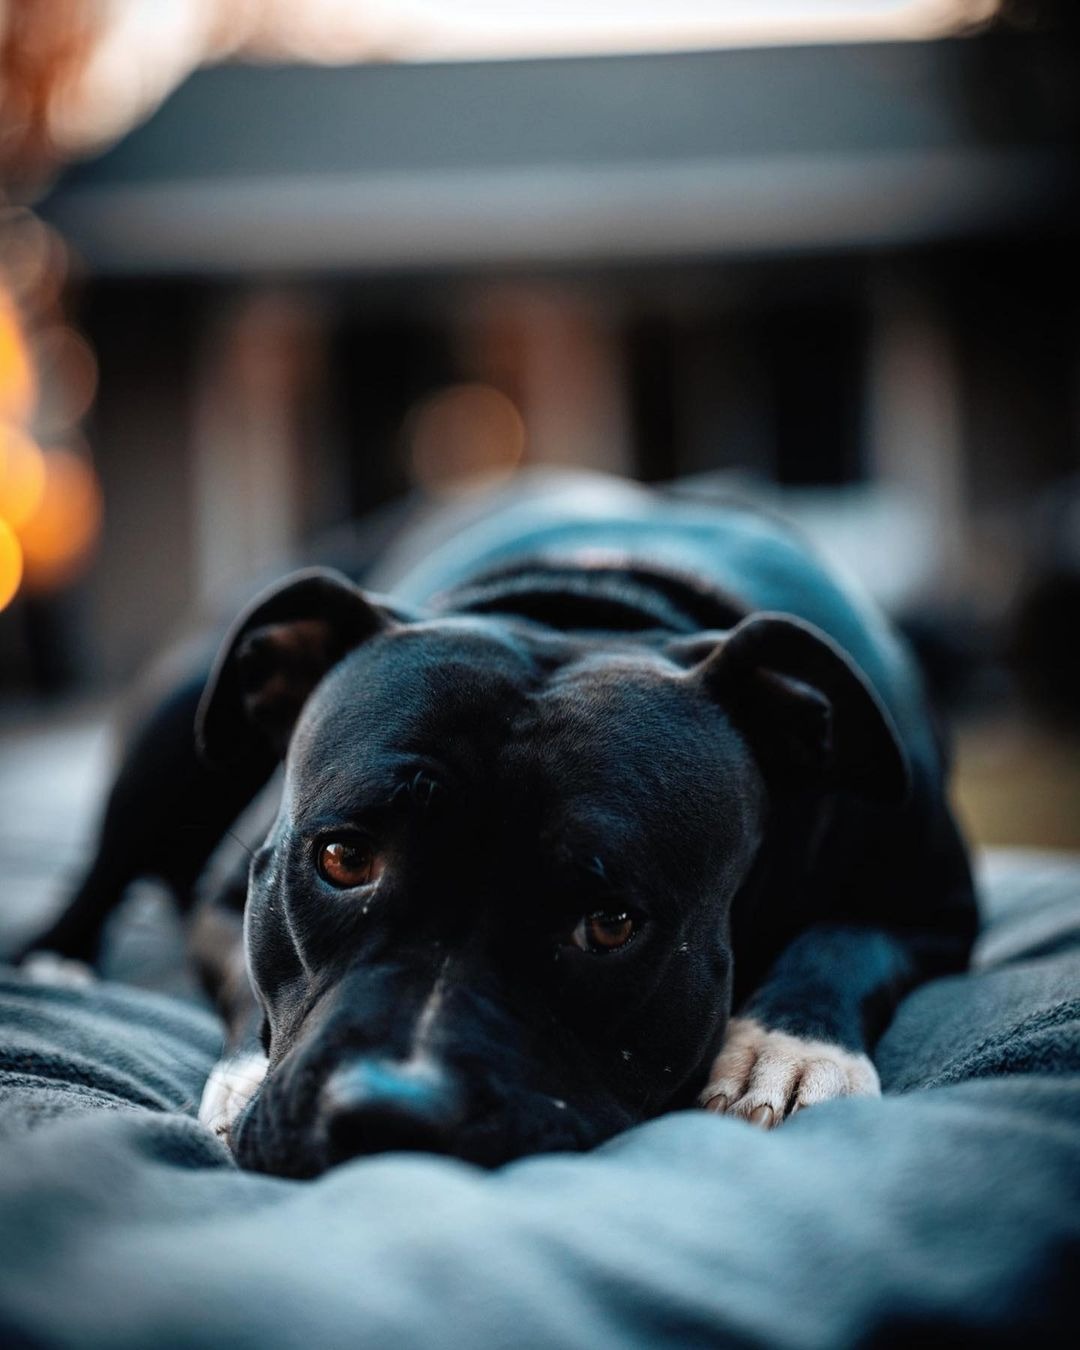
<point>950,1208</point>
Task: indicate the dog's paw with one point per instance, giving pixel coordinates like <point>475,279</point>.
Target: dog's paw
<point>231,1085</point>
<point>62,972</point>
<point>765,1076</point>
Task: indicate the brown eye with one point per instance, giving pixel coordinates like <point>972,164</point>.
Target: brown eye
<point>603,932</point>
<point>347,865</point>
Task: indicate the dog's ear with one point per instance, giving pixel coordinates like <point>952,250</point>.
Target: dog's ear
<point>808,712</point>
<point>275,654</point>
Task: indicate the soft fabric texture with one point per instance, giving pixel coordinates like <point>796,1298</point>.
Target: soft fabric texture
<point>63,1051</point>
<point>950,1206</point>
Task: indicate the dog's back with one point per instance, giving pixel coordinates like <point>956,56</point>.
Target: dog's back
<point>727,549</point>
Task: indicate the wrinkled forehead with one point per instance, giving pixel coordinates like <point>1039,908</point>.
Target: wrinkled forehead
<point>633,715</point>
<point>621,745</point>
<point>634,737</point>
<point>449,688</point>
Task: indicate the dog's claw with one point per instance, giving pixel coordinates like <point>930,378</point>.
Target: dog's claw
<point>765,1076</point>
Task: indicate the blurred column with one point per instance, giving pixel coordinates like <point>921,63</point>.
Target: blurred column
<point>560,357</point>
<point>251,482</point>
<point>140,427</point>
<point>914,423</point>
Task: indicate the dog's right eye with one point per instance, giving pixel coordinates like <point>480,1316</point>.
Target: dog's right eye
<point>604,931</point>
<point>346,864</point>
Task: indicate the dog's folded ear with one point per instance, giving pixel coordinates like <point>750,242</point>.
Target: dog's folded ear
<point>275,654</point>
<point>808,712</point>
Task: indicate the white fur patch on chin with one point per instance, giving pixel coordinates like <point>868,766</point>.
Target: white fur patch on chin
<point>765,1076</point>
<point>231,1085</point>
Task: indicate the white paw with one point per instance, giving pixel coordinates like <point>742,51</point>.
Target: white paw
<point>46,967</point>
<point>231,1085</point>
<point>765,1076</point>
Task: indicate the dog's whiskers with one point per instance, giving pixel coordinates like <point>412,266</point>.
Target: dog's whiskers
<point>243,844</point>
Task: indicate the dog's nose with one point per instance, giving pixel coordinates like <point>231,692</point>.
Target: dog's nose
<point>375,1106</point>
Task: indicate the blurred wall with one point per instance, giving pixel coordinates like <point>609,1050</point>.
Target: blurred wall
<point>844,272</point>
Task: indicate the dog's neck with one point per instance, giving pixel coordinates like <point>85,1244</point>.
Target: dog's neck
<point>597,596</point>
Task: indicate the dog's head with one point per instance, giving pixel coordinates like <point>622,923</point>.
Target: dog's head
<point>492,917</point>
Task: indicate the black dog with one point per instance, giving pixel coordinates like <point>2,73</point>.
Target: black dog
<point>637,763</point>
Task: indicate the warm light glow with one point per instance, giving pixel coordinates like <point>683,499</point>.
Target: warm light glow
<point>11,565</point>
<point>57,539</point>
<point>50,500</point>
<point>18,388</point>
<point>464,433</point>
<point>30,254</point>
<point>68,374</point>
<point>22,476</point>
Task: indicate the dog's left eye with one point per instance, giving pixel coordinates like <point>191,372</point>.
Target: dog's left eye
<point>346,865</point>
<point>604,931</point>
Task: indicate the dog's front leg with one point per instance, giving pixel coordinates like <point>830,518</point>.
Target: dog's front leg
<point>765,1075</point>
<point>216,944</point>
<point>803,1037</point>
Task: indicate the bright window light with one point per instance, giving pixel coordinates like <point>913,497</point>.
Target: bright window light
<point>472,28</point>
<point>130,53</point>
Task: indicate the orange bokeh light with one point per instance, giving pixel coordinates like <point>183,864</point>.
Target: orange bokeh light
<point>464,433</point>
<point>22,476</point>
<point>67,372</point>
<point>11,564</point>
<point>57,538</point>
<point>18,387</point>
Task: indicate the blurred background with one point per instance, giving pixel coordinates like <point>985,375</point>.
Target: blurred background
<point>274,276</point>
